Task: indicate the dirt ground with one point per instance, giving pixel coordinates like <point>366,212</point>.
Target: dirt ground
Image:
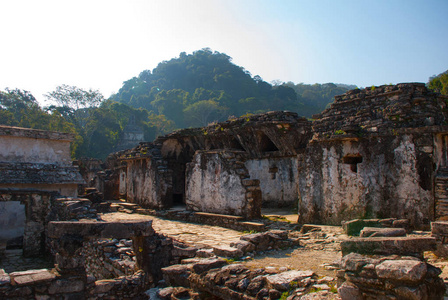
<point>298,259</point>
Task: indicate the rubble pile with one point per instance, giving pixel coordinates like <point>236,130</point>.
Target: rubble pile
<point>235,281</point>
<point>379,110</point>
<point>388,277</point>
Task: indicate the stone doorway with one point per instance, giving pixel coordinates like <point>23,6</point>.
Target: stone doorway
<point>12,224</point>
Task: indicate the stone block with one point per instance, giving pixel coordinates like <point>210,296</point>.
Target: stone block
<point>350,291</point>
<point>204,253</point>
<point>389,245</point>
<point>227,251</point>
<point>32,277</point>
<point>354,227</point>
<point>406,270</point>
<point>103,286</point>
<point>282,281</point>
<point>119,230</point>
<point>439,228</point>
<point>184,252</point>
<point>4,278</point>
<point>382,232</point>
<point>207,264</point>
<point>244,246</point>
<point>177,275</point>
<point>354,262</point>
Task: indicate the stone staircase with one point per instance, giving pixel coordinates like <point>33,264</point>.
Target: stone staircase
<point>441,194</point>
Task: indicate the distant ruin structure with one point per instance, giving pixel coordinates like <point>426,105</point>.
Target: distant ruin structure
<point>37,159</point>
<point>131,136</point>
<point>35,166</point>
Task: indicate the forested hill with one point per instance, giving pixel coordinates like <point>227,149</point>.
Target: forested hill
<point>196,89</point>
<point>190,91</point>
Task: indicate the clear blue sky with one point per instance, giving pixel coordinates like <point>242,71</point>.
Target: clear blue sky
<point>99,44</point>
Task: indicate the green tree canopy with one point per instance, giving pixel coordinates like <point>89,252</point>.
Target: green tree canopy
<point>439,83</point>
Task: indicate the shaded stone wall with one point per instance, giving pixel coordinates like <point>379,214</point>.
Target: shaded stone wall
<point>37,211</point>
<point>278,180</point>
<point>218,182</point>
<point>144,184</point>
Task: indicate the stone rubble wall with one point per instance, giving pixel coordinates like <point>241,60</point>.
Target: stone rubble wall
<point>109,258</point>
<point>213,276</point>
<point>49,284</point>
<point>381,109</point>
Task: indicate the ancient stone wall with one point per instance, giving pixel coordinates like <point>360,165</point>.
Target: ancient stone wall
<point>217,183</point>
<point>388,176</point>
<point>275,138</point>
<point>32,145</point>
<point>37,207</point>
<point>374,153</point>
<point>37,159</point>
<point>144,186</point>
<point>278,180</point>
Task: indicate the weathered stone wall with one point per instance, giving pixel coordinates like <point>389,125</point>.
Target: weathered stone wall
<point>144,185</point>
<point>37,210</point>
<point>217,182</point>
<point>363,178</point>
<point>213,186</point>
<point>374,153</point>
<point>37,159</point>
<point>274,135</point>
<point>278,180</point>
<point>69,189</point>
<point>37,146</point>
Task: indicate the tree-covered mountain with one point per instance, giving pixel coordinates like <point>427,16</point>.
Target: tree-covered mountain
<point>439,83</point>
<point>189,91</point>
<point>196,89</point>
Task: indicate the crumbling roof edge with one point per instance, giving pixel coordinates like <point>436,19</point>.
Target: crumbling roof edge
<point>35,133</point>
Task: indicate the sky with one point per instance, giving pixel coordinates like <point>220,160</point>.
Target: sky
<point>99,44</point>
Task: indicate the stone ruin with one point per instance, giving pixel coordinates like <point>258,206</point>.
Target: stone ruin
<point>35,166</point>
<point>377,156</point>
<point>374,153</point>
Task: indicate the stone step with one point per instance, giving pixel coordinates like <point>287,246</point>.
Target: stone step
<point>390,245</point>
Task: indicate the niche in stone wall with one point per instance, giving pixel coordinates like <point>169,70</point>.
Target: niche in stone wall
<point>353,160</point>
<point>266,145</point>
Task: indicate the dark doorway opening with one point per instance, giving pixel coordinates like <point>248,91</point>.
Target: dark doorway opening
<point>178,199</point>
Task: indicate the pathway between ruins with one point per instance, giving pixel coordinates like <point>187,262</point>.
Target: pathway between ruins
<point>192,234</point>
